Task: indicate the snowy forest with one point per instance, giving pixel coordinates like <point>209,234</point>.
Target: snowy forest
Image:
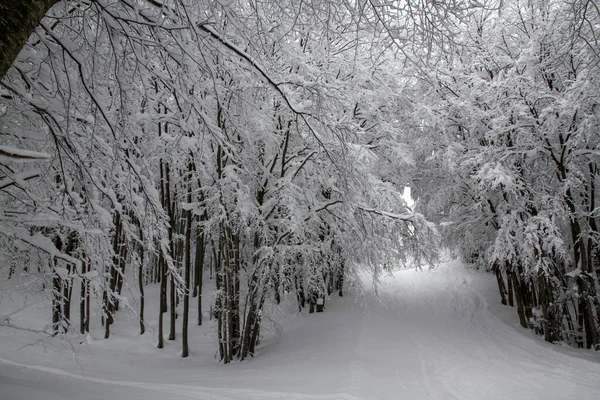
<point>189,162</point>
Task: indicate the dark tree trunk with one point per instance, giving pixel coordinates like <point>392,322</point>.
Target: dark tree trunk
<point>141,283</point>
<point>528,299</point>
<point>163,300</point>
<point>320,304</point>
<point>500,281</point>
<point>83,298</point>
<point>187,262</point>
<point>340,279</point>
<point>586,289</point>
<point>228,307</point>
<point>164,276</point>
<point>518,296</point>
<point>300,297</point>
<point>510,294</point>
<point>162,268</point>
<point>108,299</point>
<point>277,287</point>
<point>221,330</point>
<point>70,249</point>
<point>592,260</point>
<point>87,304</point>
<point>255,328</point>
<point>57,295</point>
<point>67,292</point>
<point>251,318</point>
<point>330,280</point>
<point>67,282</point>
<point>121,271</point>
<point>18,19</point>
<point>107,316</point>
<point>172,292</point>
<point>56,299</point>
<point>551,323</point>
<point>586,312</point>
<point>173,307</point>
<point>199,263</point>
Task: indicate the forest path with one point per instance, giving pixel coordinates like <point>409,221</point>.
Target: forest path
<point>443,334</point>
<point>432,334</point>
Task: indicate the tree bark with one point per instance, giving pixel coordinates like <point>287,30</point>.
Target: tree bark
<point>163,300</point>
<point>108,298</point>
<point>18,19</point>
<point>187,261</point>
<point>340,279</point>
<point>518,295</point>
<point>83,298</point>
<point>172,293</point>
<point>510,295</point>
<point>121,271</point>
<point>71,247</point>
<point>141,283</point>
<point>501,287</point>
<point>162,270</point>
<point>199,263</point>
<point>56,298</point>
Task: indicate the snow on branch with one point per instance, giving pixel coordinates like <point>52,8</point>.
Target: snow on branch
<point>214,34</point>
<point>14,155</point>
<point>407,217</point>
<point>44,244</point>
<point>332,203</point>
<point>18,179</point>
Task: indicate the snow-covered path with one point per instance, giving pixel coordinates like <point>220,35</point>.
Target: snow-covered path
<point>439,338</point>
<point>437,334</point>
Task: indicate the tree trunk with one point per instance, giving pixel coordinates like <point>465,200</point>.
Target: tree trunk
<point>518,296</point>
<point>340,279</point>
<point>108,300</point>
<point>300,297</point>
<point>321,303</point>
<point>162,268</point>
<point>510,294</point>
<point>172,293</point>
<point>254,303</point>
<point>500,281</point>
<point>121,271</point>
<point>329,279</point>
<point>586,289</point>
<point>187,262</point>
<point>277,287</point>
<point>250,318</point>
<point>228,309</point>
<point>163,300</point>
<point>18,19</point>
<point>199,264</point>
<point>87,304</point>
<point>255,327</point>
<point>67,291</point>
<point>83,298</point>
<point>221,331</point>
<point>56,299</point>
<point>141,283</point>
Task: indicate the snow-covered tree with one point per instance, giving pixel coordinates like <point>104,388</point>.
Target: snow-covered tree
<point>515,116</point>
<point>249,139</point>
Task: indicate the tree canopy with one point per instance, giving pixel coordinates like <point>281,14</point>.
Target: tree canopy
<point>268,144</point>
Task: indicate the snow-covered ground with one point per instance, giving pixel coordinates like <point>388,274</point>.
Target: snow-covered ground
<point>439,334</point>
